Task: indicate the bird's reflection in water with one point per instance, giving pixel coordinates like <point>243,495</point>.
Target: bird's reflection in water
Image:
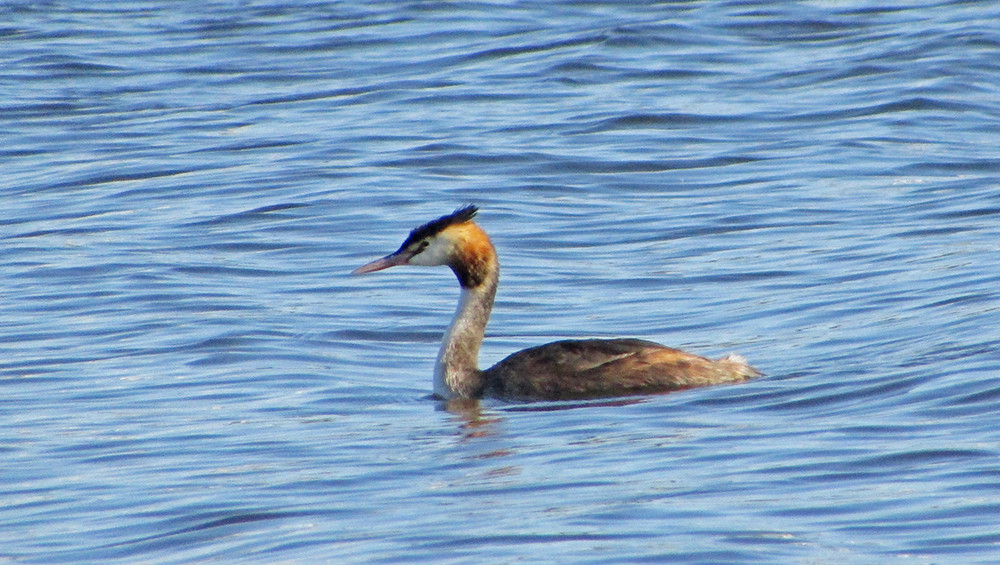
<point>469,412</point>
<point>475,422</point>
<point>573,405</point>
<point>481,433</point>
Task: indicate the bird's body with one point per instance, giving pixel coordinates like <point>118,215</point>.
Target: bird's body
<point>595,368</point>
<point>572,369</point>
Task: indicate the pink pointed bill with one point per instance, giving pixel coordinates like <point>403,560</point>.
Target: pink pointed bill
<point>384,263</point>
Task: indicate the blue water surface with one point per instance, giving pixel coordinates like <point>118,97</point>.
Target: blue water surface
<point>188,373</point>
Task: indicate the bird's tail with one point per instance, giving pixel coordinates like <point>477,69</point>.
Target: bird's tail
<point>738,366</point>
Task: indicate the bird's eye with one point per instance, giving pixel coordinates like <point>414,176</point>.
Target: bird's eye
<point>422,245</point>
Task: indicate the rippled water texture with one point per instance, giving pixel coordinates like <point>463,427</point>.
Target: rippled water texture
<point>188,373</point>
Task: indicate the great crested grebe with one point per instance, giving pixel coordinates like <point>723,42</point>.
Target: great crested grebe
<point>572,369</point>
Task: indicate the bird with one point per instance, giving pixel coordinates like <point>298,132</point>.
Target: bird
<point>562,370</point>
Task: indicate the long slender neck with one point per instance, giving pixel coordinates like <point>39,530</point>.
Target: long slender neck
<point>457,373</point>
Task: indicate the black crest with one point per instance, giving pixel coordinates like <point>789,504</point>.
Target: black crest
<point>463,214</point>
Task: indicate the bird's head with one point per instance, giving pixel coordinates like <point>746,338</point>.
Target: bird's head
<point>452,240</point>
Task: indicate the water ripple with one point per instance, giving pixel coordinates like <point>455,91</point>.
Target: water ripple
<point>190,374</point>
